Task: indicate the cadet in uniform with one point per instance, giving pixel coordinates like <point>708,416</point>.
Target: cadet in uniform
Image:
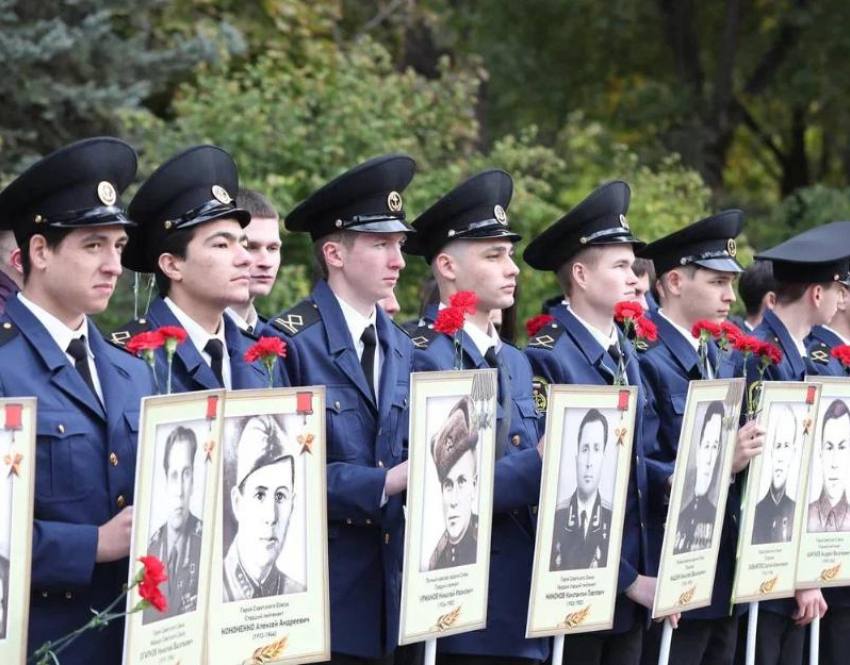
<point>591,250</point>
<point>263,498</point>
<point>263,234</point>
<point>582,527</point>
<point>696,268</point>
<point>190,235</point>
<point>177,543</point>
<point>339,338</point>
<point>807,270</point>
<point>466,238</point>
<point>454,451</point>
<point>70,226</point>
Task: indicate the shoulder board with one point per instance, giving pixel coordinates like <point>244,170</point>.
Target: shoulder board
<point>546,338</point>
<point>121,336</point>
<point>820,353</point>
<point>8,331</point>
<point>297,318</point>
<point>423,336</point>
<point>401,327</point>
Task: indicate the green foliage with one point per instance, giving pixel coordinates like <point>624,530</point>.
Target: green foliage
<point>804,209</point>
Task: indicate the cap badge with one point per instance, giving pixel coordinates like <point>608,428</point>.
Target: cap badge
<point>731,247</point>
<point>501,215</point>
<point>106,193</point>
<point>624,222</point>
<point>220,193</point>
<point>394,201</point>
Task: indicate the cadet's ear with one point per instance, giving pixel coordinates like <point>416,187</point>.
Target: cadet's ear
<point>234,502</point>
<point>444,266</point>
<point>38,250</point>
<point>333,253</point>
<point>171,266</point>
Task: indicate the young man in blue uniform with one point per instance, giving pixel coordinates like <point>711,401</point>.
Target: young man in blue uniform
<point>190,235</point>
<point>466,239</point>
<point>339,338</point>
<point>696,270</point>
<point>808,270</point>
<point>71,228</point>
<point>591,251</point>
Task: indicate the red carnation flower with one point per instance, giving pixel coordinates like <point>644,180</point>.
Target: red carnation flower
<point>172,334</point>
<point>465,301</point>
<point>449,320</point>
<point>152,576</point>
<point>770,354</point>
<point>266,348</point>
<point>645,329</point>
<point>149,340</point>
<point>627,309</point>
<point>730,331</point>
<point>747,344</point>
<point>535,324</point>
<point>842,354</point>
<point>707,328</point>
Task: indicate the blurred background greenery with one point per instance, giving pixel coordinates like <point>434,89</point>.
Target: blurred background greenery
<point>698,105</point>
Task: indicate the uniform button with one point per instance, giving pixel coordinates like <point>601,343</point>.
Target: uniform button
<point>368,522</point>
<point>637,459</point>
<point>121,501</point>
<point>113,459</point>
<point>515,439</point>
<point>380,464</point>
<point>640,496</point>
<point>7,326</point>
<point>380,431</point>
<point>44,594</point>
<point>143,321</point>
<point>387,538</point>
<point>404,402</point>
<point>642,528</point>
<point>61,428</point>
<point>336,405</point>
<point>68,595</point>
<point>348,521</point>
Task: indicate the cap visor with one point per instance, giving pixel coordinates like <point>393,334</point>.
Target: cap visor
<point>388,226</point>
<point>721,265</point>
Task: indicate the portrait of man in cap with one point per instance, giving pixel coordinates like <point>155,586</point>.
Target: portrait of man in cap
<point>774,518</point>
<point>830,512</point>
<point>695,527</point>
<point>583,523</point>
<point>262,498</point>
<point>454,450</point>
<point>177,542</point>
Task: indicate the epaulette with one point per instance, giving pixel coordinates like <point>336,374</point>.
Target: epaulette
<point>820,353</point>
<point>547,336</point>
<point>8,331</point>
<point>297,318</point>
<point>423,336</point>
<point>122,335</point>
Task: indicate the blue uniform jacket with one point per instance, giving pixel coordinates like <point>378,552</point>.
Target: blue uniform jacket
<point>189,370</point>
<point>515,494</point>
<point>667,367</point>
<point>819,345</point>
<point>365,539</point>
<point>79,486</point>
<point>564,351</point>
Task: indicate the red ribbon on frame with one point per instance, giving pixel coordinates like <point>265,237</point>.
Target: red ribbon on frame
<point>14,414</point>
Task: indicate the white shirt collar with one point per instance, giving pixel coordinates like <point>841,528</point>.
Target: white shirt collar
<point>356,322</point>
<point>196,332</point>
<point>244,324</point>
<point>587,507</point>
<point>693,341</point>
<point>606,341</point>
<point>843,339</point>
<point>482,339</point>
<point>57,330</point>
<point>801,347</point>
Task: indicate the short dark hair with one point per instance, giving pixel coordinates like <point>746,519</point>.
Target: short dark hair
<point>715,408</point>
<point>256,204</point>
<point>52,236</point>
<point>837,409</point>
<point>177,244</point>
<point>344,237</point>
<point>756,282</point>
<point>643,267</point>
<point>180,433</point>
<point>594,415</point>
<point>788,293</point>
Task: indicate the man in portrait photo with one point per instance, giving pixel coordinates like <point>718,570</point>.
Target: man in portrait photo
<point>4,594</point>
<point>695,527</point>
<point>582,526</point>
<point>178,541</point>
<point>262,498</point>
<point>455,456</point>
<point>831,511</point>
<point>774,519</point>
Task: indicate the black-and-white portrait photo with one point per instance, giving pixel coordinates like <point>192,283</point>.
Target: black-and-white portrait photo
<point>695,526</point>
<point>774,516</point>
<point>263,518</point>
<point>586,481</point>
<point>176,528</point>
<point>6,499</point>
<point>450,530</point>
<point>829,510</point>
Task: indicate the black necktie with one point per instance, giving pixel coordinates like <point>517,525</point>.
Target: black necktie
<point>614,352</point>
<point>367,360</point>
<point>504,428</point>
<point>215,349</point>
<point>79,352</point>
